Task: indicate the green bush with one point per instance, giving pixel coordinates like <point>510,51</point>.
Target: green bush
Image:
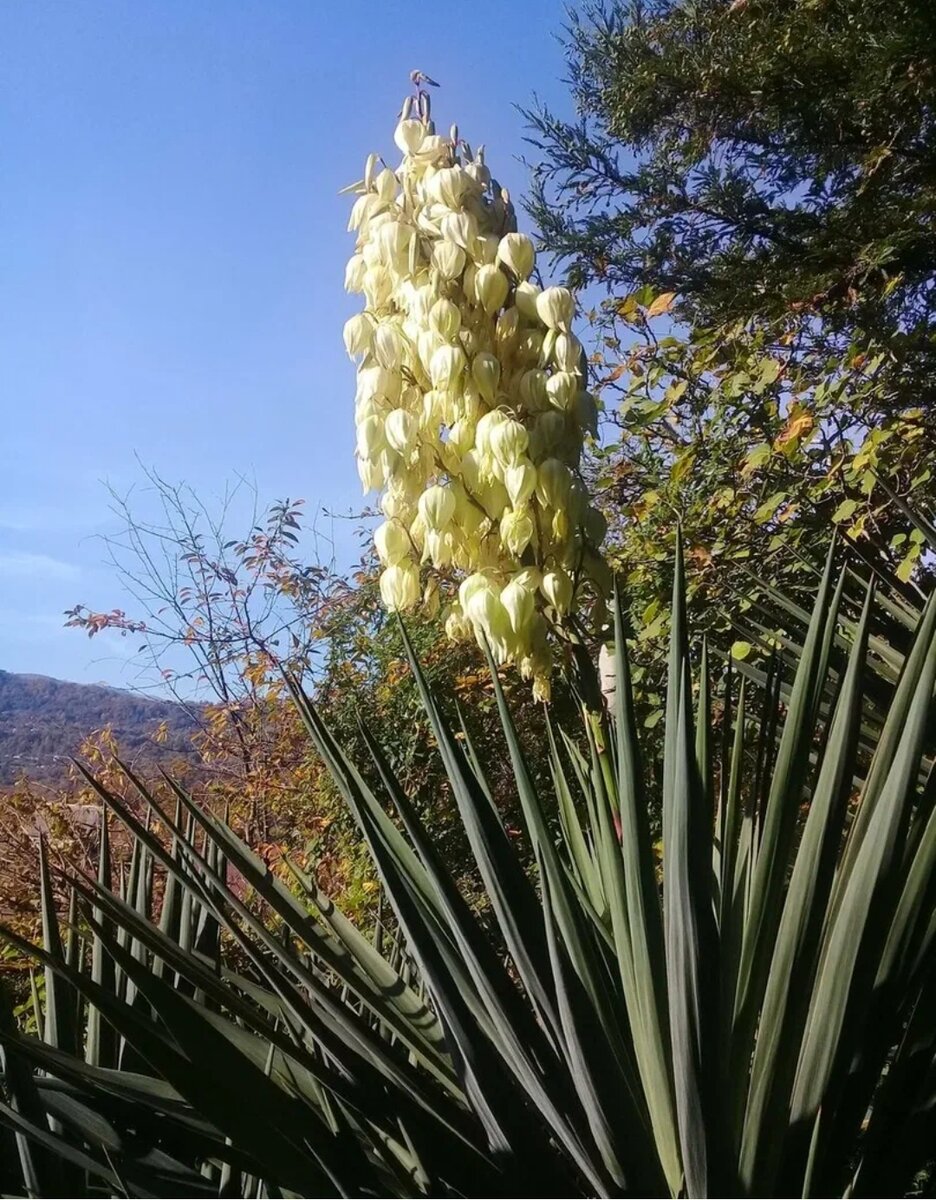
<point>754,1016</point>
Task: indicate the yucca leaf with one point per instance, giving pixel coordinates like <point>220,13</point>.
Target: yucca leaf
<point>789,775</point>
<point>640,924</point>
<point>512,897</point>
<point>839,1003</point>
<point>793,962</point>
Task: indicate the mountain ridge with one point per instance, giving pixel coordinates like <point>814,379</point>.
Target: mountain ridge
<point>44,720</point>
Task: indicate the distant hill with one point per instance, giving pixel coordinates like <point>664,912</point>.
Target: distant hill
<point>43,721</point>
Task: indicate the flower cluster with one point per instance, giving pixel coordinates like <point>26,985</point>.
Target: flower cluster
<point>471,407</point>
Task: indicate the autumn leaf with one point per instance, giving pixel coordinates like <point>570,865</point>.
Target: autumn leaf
<point>662,304</point>
<point>799,423</point>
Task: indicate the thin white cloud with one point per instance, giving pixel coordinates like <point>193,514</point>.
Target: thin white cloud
<point>22,565</point>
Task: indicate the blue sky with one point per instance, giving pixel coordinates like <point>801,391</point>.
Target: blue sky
<point>172,250</point>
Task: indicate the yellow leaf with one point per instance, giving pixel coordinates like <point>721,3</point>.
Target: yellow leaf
<point>799,423</point>
<point>662,304</point>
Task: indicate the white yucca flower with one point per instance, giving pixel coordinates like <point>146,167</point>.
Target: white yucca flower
<point>471,406</point>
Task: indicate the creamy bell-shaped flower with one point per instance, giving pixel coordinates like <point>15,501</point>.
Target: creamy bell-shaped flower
<point>491,287</point>
<point>399,587</point>
<point>370,437</point>
<point>461,436</point>
<point>557,588</point>
<point>409,135</point>
<point>556,307</point>
<point>358,334</point>
<point>562,389</point>
<point>485,429</point>
<point>361,210</point>
<point>389,347</point>
<point>437,507</point>
<point>486,612</point>
<point>427,342</point>
<point>553,483</point>
<point>460,228</point>
<point>447,367</point>
<point>457,625</point>
<point>439,548</point>
<point>526,295</point>
<point>509,441</point>
<point>486,371</point>
<point>520,481</point>
<point>567,352</point>
<point>385,185</point>
<point>520,603</point>
<point>355,273</point>
<point>378,381</point>
<point>469,587</point>
<point>532,390</point>
<point>393,239</point>
<point>507,330</point>
<point>516,530</point>
<point>400,430</point>
<point>377,287</point>
<point>448,259</point>
<point>449,186</point>
<point>517,254</point>
<point>370,473</point>
<point>391,542</point>
<point>445,319</point>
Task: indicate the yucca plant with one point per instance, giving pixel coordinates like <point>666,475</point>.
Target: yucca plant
<point>755,1017</point>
